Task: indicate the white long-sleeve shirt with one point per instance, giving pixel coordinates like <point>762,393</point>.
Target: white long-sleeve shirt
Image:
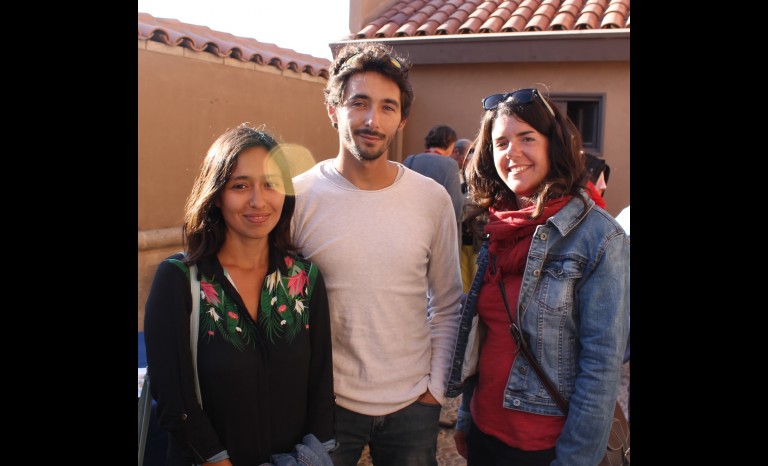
<point>391,268</point>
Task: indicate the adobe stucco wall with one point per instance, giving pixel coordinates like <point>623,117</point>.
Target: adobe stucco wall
<point>451,94</point>
<point>186,99</point>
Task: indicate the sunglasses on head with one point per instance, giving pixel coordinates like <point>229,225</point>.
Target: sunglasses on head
<point>348,63</point>
<point>520,96</point>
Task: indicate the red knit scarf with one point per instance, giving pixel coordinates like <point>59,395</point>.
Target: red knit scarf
<point>512,232</point>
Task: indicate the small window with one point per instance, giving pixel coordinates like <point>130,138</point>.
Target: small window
<point>586,112</point>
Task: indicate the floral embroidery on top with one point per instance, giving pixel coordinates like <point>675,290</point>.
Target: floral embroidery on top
<point>219,315</point>
<point>283,302</point>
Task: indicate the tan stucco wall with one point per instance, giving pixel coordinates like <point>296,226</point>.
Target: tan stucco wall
<point>186,99</point>
<point>451,94</point>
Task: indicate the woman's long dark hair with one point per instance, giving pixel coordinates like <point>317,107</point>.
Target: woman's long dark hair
<point>567,172</point>
<point>204,228</point>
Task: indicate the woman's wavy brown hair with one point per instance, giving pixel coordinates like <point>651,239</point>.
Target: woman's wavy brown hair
<point>567,172</point>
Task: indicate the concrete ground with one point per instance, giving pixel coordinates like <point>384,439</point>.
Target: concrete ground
<point>446,449</point>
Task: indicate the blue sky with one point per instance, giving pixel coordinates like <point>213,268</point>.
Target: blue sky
<point>306,26</point>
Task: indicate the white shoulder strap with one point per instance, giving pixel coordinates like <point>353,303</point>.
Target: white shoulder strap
<point>194,324</point>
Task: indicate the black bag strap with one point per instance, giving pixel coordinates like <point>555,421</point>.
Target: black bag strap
<point>522,344</point>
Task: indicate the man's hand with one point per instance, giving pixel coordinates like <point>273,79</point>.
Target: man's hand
<point>427,398</point>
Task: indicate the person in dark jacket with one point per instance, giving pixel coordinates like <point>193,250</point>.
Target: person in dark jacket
<point>598,171</point>
<point>436,163</point>
<point>264,346</point>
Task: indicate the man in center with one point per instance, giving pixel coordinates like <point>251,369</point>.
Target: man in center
<point>385,240</point>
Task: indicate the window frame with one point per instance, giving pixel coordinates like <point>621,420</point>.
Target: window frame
<point>562,101</point>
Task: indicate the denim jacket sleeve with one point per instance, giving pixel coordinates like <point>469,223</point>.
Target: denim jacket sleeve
<point>310,452</point>
<point>458,373</point>
<point>603,305</point>
<point>464,418</point>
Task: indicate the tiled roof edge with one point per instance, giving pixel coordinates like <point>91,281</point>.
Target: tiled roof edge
<point>203,39</point>
<point>415,18</point>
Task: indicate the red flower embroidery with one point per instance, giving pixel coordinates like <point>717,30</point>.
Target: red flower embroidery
<point>232,315</point>
<point>211,295</point>
<point>282,308</point>
<point>210,332</point>
<point>296,283</point>
<point>288,262</point>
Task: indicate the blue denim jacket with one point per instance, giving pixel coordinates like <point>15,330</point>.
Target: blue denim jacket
<point>308,453</point>
<point>574,310</point>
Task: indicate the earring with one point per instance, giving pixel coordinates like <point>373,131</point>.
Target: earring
<point>335,125</point>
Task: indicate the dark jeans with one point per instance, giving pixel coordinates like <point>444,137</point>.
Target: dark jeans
<point>404,438</point>
<point>485,450</point>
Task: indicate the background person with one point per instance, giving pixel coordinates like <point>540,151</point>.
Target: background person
<point>555,265</point>
<point>462,153</point>
<point>436,163</point>
<point>385,237</point>
<point>598,172</point>
<point>264,348</point>
<point>459,154</point>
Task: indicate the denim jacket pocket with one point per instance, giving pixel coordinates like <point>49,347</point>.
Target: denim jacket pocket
<point>559,276</point>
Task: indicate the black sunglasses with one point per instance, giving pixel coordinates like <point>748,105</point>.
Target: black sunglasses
<point>520,96</point>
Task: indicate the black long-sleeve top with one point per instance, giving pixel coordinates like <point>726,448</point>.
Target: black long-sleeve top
<point>265,383</point>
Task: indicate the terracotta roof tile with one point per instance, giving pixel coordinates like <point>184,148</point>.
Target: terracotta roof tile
<point>469,6</point>
<point>483,13</point>
<point>409,18</point>
<point>543,16</point>
<point>493,24</point>
<point>499,17</point>
<point>615,14</point>
<point>565,18</point>
<point>520,16</point>
<point>509,5</point>
<point>407,30</point>
<point>450,26</point>
<point>453,23</point>
<point>471,26</point>
<point>367,31</point>
<point>413,7</point>
<point>430,26</point>
<point>591,14</point>
<point>459,3</point>
<point>388,30</point>
<point>222,44</point>
<point>417,19</point>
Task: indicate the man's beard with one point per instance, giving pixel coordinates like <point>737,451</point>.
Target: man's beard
<point>363,154</point>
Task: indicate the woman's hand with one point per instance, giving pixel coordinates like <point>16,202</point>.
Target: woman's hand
<point>460,438</point>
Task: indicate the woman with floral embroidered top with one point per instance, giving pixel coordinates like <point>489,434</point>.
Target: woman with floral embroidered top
<point>554,265</point>
<point>264,345</point>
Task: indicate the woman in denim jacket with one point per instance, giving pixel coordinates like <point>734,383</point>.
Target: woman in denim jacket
<point>557,266</point>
